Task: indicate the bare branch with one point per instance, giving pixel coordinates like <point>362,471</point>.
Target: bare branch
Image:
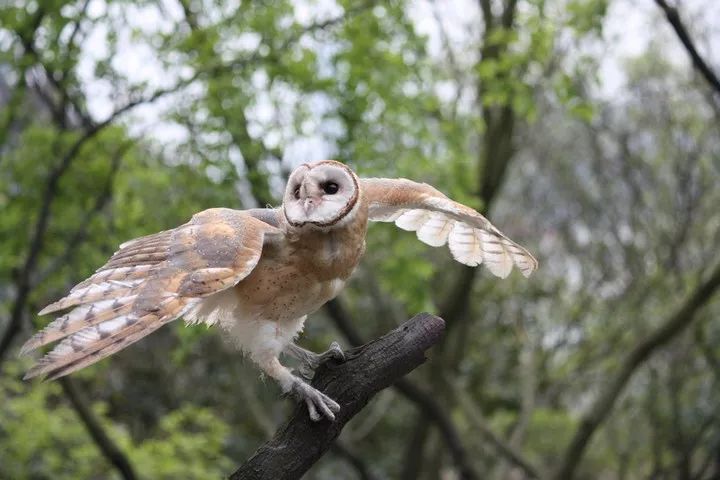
<point>601,408</point>
<point>96,431</point>
<point>343,322</point>
<point>23,283</point>
<point>368,369</point>
<point>81,232</point>
<point>432,410</point>
<point>674,18</point>
<point>425,402</point>
<point>508,15</point>
<point>60,112</point>
<point>354,460</point>
<point>23,286</point>
<point>503,448</point>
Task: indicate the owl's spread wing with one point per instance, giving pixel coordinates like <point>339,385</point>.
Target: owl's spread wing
<point>147,283</point>
<point>472,239</point>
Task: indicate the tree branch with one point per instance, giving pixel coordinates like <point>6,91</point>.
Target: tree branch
<point>508,451</point>
<point>426,403</point>
<point>37,241</point>
<point>354,460</point>
<point>78,238</point>
<point>435,412</point>
<point>368,369</point>
<point>674,18</point>
<point>668,330</point>
<point>105,443</point>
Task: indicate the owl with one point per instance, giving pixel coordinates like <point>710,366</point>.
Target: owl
<point>258,273</point>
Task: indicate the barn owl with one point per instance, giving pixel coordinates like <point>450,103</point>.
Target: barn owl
<point>258,273</point>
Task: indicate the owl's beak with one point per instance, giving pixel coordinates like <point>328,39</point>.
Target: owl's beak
<point>310,203</point>
<point>311,197</point>
<point>307,205</point>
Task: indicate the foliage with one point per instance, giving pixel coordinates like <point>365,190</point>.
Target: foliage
<point>40,434</point>
<point>147,112</point>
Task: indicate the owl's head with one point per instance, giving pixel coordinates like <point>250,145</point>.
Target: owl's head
<point>320,194</point>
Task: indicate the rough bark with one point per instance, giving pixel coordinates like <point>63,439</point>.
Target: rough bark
<point>368,369</point>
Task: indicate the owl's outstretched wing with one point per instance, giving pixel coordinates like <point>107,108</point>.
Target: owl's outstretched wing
<point>472,239</point>
<point>147,283</point>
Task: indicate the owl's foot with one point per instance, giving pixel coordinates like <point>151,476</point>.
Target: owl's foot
<point>310,361</point>
<point>334,352</point>
<point>319,405</point>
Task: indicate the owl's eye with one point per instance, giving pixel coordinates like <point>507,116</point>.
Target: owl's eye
<point>331,188</point>
<point>296,192</point>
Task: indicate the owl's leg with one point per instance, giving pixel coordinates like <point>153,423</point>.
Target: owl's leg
<point>269,343</point>
<point>310,361</point>
<point>318,403</point>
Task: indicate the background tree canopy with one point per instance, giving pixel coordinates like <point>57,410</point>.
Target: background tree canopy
<point>588,130</point>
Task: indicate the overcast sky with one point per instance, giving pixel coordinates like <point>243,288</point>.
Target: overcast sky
<point>629,26</point>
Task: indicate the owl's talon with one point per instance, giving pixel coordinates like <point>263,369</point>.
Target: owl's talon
<point>304,371</point>
<point>318,403</point>
<point>310,361</point>
<point>314,415</point>
<point>334,352</point>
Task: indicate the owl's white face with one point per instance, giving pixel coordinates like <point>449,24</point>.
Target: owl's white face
<point>320,194</point>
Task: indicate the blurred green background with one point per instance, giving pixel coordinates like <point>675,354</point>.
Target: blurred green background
<point>580,127</point>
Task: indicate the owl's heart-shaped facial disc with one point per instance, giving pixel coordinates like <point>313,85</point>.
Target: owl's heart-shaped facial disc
<point>320,194</point>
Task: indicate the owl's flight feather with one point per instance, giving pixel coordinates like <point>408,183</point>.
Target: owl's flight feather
<point>437,220</point>
<point>149,282</point>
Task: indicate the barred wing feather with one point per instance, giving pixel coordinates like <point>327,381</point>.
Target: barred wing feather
<point>147,283</point>
<point>438,220</point>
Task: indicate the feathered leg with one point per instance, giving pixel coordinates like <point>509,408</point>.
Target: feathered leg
<point>265,352</point>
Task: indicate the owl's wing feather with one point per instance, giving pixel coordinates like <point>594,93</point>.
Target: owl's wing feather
<point>147,283</point>
<point>438,220</point>
<point>270,216</point>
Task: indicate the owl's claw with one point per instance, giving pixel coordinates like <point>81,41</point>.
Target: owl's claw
<point>334,352</point>
<point>318,403</point>
<point>310,361</point>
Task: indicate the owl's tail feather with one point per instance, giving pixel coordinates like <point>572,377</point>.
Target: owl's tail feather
<point>93,343</point>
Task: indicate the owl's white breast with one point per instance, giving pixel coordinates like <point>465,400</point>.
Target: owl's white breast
<point>292,279</point>
<point>278,320</point>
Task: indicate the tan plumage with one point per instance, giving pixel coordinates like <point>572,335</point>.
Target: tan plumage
<point>148,282</point>
<point>258,273</point>
<point>472,239</point>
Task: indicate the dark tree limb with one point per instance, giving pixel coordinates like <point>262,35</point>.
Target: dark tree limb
<point>235,121</point>
<point>493,161</point>
<point>368,369</point>
<point>504,448</point>
<point>700,65</point>
<point>341,318</point>
<point>96,431</point>
<point>675,324</point>
<point>361,467</point>
<point>81,233</point>
<point>433,411</point>
<point>427,405</point>
<point>411,468</point>
<point>51,190</point>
